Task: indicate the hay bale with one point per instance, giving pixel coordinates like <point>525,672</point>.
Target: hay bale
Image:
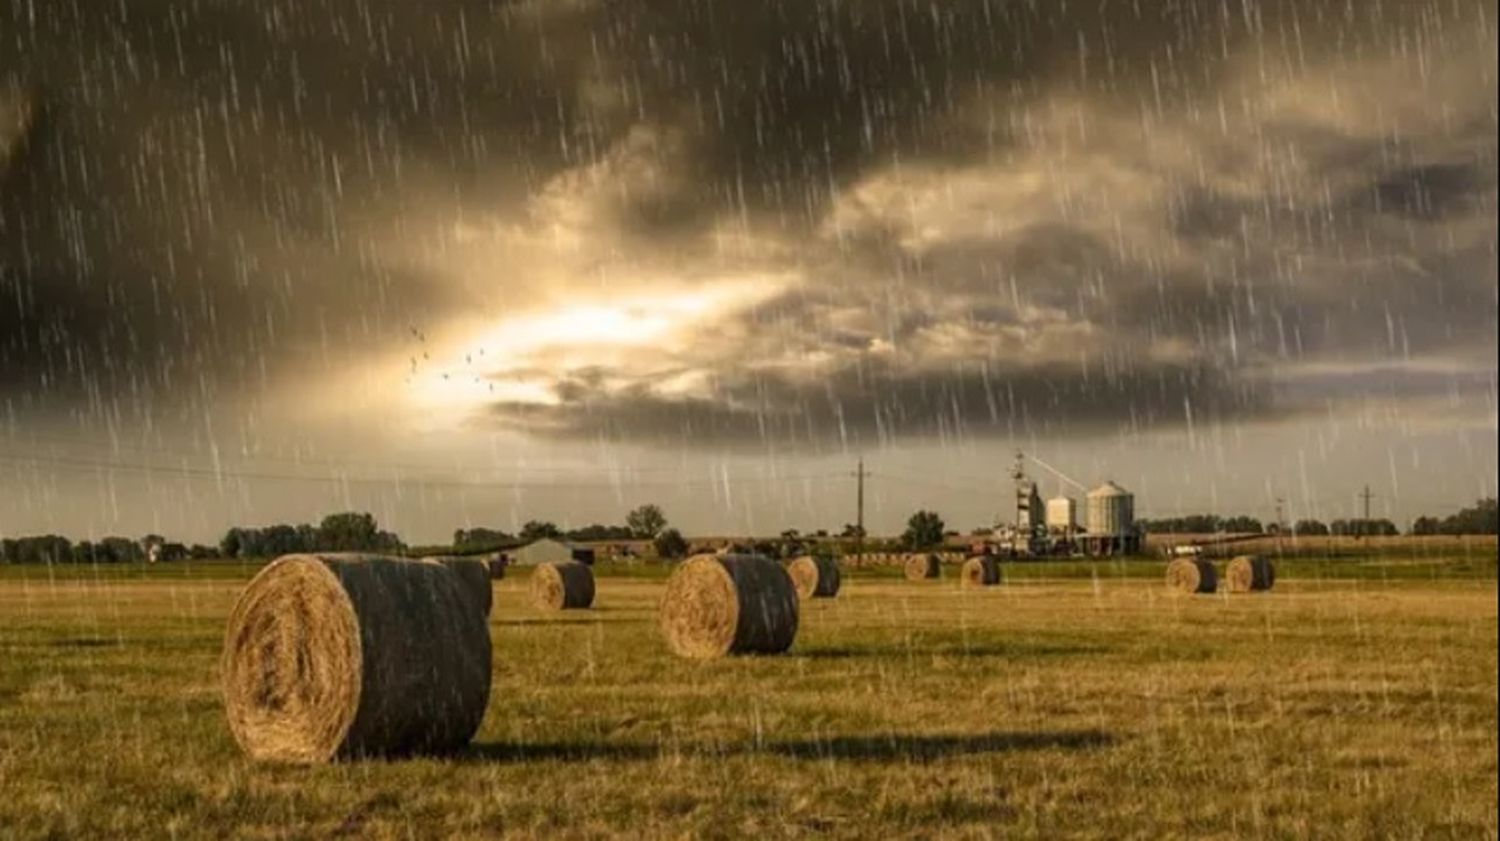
<point>565,586</point>
<point>729,604</point>
<point>980,571</point>
<point>473,575</point>
<point>1250,573</point>
<point>815,577</point>
<point>341,656</point>
<point>1192,575</point>
<point>922,566</point>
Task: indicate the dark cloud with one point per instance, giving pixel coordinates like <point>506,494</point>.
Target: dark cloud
<point>1102,215</point>
<point>876,404</point>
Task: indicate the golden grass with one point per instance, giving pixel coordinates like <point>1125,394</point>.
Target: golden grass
<point>1043,708</point>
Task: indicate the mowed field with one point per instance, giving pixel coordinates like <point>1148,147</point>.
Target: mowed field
<point>1356,700</point>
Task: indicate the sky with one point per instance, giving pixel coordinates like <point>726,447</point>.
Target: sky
<point>475,263</point>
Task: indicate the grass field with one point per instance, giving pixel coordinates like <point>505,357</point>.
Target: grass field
<point>1357,700</point>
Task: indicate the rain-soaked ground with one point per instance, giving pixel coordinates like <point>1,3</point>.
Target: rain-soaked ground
<point>1087,706</point>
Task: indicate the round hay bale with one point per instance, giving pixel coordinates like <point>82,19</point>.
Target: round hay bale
<point>922,566</point>
<point>1250,573</point>
<point>473,575</point>
<point>815,577</point>
<point>729,604</point>
<point>1192,575</point>
<point>565,586</point>
<point>980,571</point>
<point>341,656</point>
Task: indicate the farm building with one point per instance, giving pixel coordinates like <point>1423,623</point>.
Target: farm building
<point>549,551</point>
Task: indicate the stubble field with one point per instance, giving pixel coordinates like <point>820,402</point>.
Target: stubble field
<point>1073,701</point>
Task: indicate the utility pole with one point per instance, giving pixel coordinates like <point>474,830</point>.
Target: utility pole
<point>859,517</point>
<point>1366,496</point>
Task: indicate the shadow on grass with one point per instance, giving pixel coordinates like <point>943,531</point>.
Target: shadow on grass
<point>897,746</point>
<point>1010,650</point>
<point>882,748</point>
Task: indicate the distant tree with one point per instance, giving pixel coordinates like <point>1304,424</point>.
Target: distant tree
<point>481,539</point>
<point>924,530</point>
<point>1424,526</point>
<point>231,543</point>
<point>671,544</point>
<point>853,531</point>
<point>1242,525</point>
<point>537,530</point>
<point>119,550</point>
<point>820,533</point>
<point>982,531</point>
<point>200,552</point>
<point>348,531</point>
<point>601,532</point>
<point>1364,528</point>
<point>1479,519</point>
<point>1309,528</point>
<point>647,521</point>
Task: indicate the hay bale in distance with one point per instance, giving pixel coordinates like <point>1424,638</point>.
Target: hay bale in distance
<point>1250,573</point>
<point>922,566</point>
<point>565,586</point>
<point>473,575</point>
<point>1192,575</point>
<point>729,604</point>
<point>815,576</point>
<point>340,656</point>
<point>980,571</point>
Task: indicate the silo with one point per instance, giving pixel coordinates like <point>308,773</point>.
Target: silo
<point>1062,514</point>
<point>1111,511</point>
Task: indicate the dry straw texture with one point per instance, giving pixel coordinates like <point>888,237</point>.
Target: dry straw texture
<point>1250,573</point>
<point>341,656</point>
<point>565,586</point>
<point>980,571</point>
<point>815,577</point>
<point>729,604</point>
<point>473,575</point>
<point>922,566</point>
<point>1192,575</point>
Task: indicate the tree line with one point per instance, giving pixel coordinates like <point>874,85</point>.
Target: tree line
<point>1477,519</point>
<point>56,549</point>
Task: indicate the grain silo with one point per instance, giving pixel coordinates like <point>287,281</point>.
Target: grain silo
<point>1062,515</point>
<point>1109,521</point>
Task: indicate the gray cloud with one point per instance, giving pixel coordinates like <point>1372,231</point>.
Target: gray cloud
<point>1080,220</point>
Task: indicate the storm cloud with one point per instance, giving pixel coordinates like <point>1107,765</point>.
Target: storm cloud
<point>954,220</point>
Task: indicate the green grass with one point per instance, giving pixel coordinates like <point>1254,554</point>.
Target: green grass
<point>1062,704</point>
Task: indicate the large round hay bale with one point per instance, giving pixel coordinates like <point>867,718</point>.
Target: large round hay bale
<point>1192,575</point>
<point>565,586</point>
<point>729,604</point>
<point>1250,573</point>
<point>980,571</point>
<point>473,575</point>
<point>340,656</point>
<point>922,566</point>
<point>815,576</point>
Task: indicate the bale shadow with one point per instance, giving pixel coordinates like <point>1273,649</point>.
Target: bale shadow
<point>1016,651</point>
<point>881,748</point>
<point>897,746</point>
<point>508,752</point>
